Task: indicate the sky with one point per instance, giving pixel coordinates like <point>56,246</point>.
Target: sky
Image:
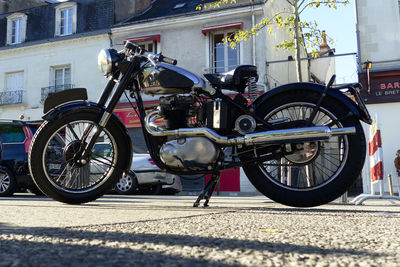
<point>340,25</point>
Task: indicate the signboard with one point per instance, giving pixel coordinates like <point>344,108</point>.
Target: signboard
<point>380,87</point>
<point>128,117</point>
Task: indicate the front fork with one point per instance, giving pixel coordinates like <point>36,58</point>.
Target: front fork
<point>87,145</point>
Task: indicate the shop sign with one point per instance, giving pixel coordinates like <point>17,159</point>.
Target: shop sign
<point>128,117</point>
<point>380,87</point>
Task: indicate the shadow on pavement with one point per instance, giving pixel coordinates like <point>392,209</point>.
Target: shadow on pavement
<point>80,247</point>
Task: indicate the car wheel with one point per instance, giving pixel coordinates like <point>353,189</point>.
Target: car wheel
<point>127,184</point>
<point>7,182</point>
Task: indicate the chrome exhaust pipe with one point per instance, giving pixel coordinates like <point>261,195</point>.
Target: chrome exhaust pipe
<point>315,133</point>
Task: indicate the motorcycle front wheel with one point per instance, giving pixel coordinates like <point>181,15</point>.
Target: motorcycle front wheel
<point>54,158</point>
<point>320,171</point>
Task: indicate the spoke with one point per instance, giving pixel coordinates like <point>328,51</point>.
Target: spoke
<point>73,131</point>
<point>59,177</point>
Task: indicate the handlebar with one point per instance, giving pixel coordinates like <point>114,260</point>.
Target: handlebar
<point>129,46</point>
<point>167,60</point>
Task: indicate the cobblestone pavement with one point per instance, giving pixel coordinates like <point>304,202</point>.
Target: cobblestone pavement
<point>167,231</point>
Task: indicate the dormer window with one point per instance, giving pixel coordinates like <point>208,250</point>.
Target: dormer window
<point>16,28</point>
<point>66,19</point>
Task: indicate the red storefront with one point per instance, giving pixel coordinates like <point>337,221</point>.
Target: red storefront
<point>230,179</point>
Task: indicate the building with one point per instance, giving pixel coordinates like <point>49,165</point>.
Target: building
<point>48,48</point>
<point>378,35</point>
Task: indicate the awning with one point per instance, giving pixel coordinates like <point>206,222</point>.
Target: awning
<point>236,25</point>
<point>145,38</point>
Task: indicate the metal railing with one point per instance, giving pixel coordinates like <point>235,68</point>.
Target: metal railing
<point>54,89</point>
<point>11,97</point>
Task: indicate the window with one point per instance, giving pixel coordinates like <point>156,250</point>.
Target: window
<point>12,134</point>
<point>147,42</point>
<point>223,57</point>
<point>66,18</point>
<point>16,28</point>
<point>14,88</point>
<point>62,78</point>
<point>150,46</point>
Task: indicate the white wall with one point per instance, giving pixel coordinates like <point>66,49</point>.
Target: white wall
<point>379,32</point>
<point>36,62</point>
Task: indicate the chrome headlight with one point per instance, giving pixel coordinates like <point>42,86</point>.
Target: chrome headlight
<point>106,61</point>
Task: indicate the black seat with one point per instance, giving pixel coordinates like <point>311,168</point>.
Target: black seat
<point>235,79</point>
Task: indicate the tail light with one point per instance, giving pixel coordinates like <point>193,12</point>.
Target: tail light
<point>28,138</point>
<point>151,161</point>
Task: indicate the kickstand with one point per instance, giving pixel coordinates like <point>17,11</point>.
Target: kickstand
<point>208,190</point>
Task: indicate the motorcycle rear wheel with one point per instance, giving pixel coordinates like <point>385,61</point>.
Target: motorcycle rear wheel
<point>52,158</point>
<point>323,170</point>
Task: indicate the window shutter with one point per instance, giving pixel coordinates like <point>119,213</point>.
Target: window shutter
<point>9,31</point>
<point>58,22</point>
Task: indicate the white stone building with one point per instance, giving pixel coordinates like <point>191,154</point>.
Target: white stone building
<point>378,32</point>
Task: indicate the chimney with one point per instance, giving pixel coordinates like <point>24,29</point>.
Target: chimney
<point>4,6</point>
<point>323,46</point>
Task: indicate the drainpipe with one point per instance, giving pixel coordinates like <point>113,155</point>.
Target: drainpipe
<point>254,38</point>
<point>359,64</point>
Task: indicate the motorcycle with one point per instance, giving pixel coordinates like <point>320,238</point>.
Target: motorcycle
<point>300,144</point>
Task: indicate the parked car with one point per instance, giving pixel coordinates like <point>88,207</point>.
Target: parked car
<point>144,177</point>
<point>15,139</point>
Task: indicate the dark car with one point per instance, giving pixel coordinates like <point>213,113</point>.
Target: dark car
<point>15,139</point>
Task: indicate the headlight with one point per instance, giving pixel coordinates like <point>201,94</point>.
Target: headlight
<point>106,61</point>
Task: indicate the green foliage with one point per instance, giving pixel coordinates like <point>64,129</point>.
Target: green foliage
<point>287,19</point>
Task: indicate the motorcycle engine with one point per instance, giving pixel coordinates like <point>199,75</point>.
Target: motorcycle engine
<point>195,153</point>
<point>189,153</point>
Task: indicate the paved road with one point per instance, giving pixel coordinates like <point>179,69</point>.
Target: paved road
<point>167,231</point>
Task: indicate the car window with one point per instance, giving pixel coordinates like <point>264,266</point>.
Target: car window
<point>102,150</point>
<point>12,134</point>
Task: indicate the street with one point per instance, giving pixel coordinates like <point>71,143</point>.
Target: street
<point>167,231</point>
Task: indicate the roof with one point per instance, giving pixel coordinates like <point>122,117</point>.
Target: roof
<point>93,16</point>
<point>160,9</point>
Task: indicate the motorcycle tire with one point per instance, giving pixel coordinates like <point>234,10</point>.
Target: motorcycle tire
<point>322,172</point>
<point>50,158</point>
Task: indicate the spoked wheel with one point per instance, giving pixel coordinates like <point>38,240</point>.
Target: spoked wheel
<point>309,173</point>
<point>57,165</point>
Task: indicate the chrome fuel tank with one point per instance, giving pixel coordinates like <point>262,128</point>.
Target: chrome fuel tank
<point>167,79</point>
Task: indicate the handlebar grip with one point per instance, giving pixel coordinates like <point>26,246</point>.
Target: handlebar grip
<point>168,60</point>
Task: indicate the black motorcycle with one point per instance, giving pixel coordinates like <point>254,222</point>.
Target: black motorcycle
<point>300,144</point>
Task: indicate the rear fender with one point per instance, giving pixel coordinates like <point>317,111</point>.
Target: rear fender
<point>82,105</point>
<point>353,108</point>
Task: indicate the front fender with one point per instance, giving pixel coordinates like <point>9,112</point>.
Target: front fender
<point>313,87</point>
<point>82,105</point>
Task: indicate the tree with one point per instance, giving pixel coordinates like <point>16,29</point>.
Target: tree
<point>300,32</point>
